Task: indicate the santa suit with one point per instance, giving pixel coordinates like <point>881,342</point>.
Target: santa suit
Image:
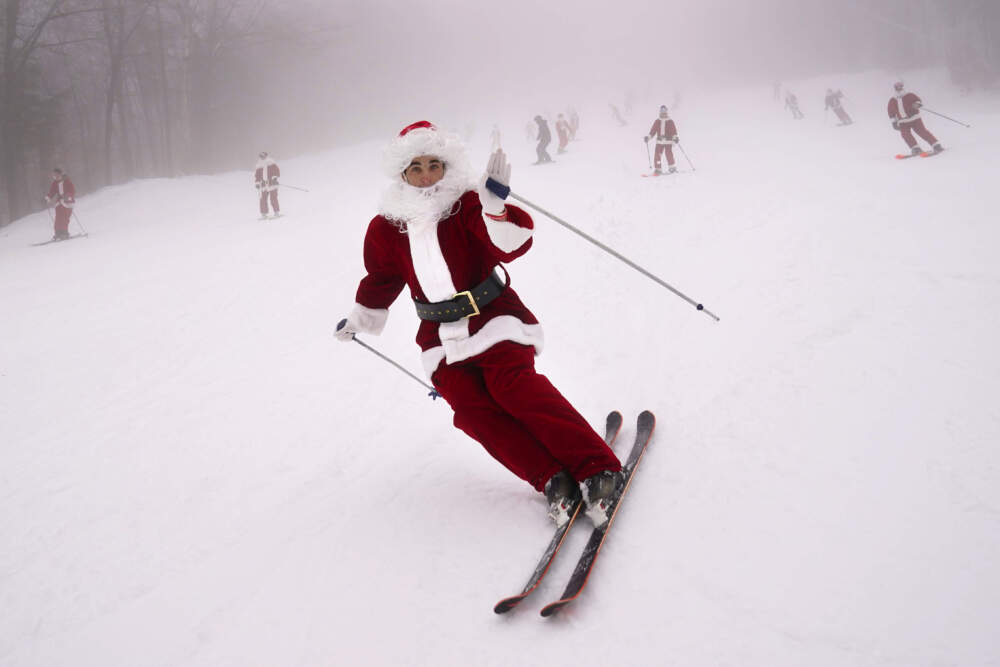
<point>482,365</point>
<point>665,132</point>
<point>904,110</point>
<point>265,177</point>
<point>562,129</point>
<point>63,194</point>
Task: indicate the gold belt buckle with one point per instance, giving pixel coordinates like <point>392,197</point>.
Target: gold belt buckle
<point>472,302</point>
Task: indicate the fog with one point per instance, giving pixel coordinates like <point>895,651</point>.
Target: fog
<point>119,89</point>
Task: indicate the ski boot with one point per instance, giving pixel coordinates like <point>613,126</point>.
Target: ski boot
<point>598,491</point>
<point>672,170</point>
<point>915,150</point>
<point>563,493</point>
<point>938,147</point>
<point>657,172</point>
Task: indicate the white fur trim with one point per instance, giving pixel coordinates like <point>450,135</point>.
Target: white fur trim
<point>446,146</point>
<point>497,330</point>
<point>368,320</point>
<point>429,263</point>
<point>506,235</point>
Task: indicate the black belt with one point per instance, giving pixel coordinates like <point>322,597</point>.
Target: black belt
<point>464,304</point>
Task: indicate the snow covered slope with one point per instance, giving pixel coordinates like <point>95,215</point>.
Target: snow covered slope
<point>193,472</point>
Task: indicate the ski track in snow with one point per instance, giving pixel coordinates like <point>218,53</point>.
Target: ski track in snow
<point>193,472</point>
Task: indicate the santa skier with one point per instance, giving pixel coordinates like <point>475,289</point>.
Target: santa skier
<point>665,132</point>
<point>563,130</point>
<point>832,101</point>
<point>441,233</point>
<point>62,193</point>
<point>904,110</point>
<point>265,178</point>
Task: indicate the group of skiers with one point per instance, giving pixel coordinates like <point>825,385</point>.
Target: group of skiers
<point>903,109</point>
<point>566,130</point>
<point>442,233</point>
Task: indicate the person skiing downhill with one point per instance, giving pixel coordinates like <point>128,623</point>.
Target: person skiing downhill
<point>665,132</point>
<point>544,137</point>
<point>62,193</point>
<point>443,234</point>
<point>832,101</point>
<point>265,177</point>
<point>792,102</point>
<point>563,130</point>
<point>904,111</point>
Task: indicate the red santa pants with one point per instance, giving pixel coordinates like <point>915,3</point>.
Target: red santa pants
<point>660,149</point>
<point>62,220</point>
<point>907,130</point>
<point>520,418</point>
<point>274,201</point>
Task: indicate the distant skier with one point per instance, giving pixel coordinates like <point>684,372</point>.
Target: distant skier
<point>62,193</point>
<point>832,101</point>
<point>574,123</point>
<point>904,110</point>
<point>665,132</point>
<point>792,102</point>
<point>443,234</point>
<point>544,138</point>
<point>617,115</point>
<point>563,130</point>
<point>266,180</point>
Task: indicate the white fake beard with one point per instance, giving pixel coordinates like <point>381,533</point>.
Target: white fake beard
<point>410,207</point>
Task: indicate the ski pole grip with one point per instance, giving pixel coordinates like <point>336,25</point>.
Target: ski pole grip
<point>497,188</point>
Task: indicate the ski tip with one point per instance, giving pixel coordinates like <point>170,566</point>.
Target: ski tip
<point>614,417</point>
<point>507,604</point>
<point>646,418</point>
<point>553,608</point>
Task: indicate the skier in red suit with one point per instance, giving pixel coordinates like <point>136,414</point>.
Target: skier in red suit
<point>904,110</point>
<point>665,132</point>
<point>563,130</point>
<point>441,233</point>
<point>63,195</point>
<point>265,178</point>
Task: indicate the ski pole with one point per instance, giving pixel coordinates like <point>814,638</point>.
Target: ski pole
<point>686,156</point>
<point>80,223</point>
<point>283,185</point>
<point>503,191</point>
<point>434,394</point>
<point>945,117</point>
<point>649,160</point>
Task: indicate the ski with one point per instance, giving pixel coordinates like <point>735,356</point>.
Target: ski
<point>613,424</point>
<point>644,431</point>
<point>932,153</point>
<point>907,157</point>
<point>70,238</point>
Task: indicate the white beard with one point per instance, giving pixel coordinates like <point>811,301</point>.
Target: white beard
<point>409,207</point>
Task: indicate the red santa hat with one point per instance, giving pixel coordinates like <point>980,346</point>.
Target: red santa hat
<point>423,138</point>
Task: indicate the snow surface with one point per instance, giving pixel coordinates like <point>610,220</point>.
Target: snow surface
<point>193,472</point>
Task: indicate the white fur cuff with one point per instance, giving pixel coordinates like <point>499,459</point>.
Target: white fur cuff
<point>369,320</point>
<point>506,235</point>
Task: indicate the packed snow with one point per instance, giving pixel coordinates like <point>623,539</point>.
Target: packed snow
<point>194,472</point>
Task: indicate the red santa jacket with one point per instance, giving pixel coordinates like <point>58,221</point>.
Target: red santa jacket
<point>665,131</point>
<point>62,192</point>
<point>266,173</point>
<point>454,255</point>
<point>908,103</point>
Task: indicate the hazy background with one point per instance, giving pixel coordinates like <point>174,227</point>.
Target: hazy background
<point>117,89</point>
